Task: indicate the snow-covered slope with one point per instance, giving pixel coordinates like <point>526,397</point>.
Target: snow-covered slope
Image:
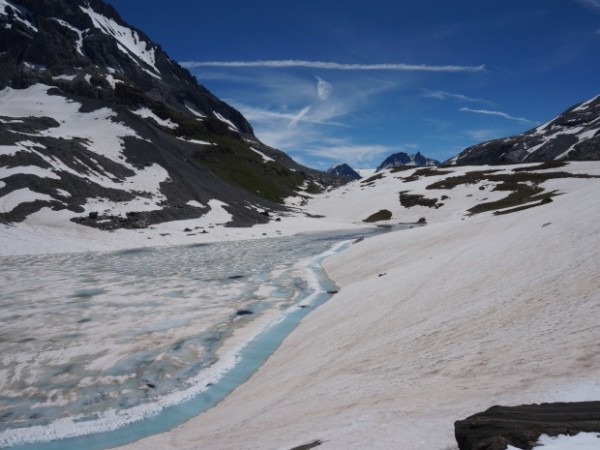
<point>96,120</point>
<point>573,135</point>
<point>433,323</point>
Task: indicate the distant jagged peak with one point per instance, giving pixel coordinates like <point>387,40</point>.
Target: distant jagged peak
<point>404,159</point>
<point>344,170</point>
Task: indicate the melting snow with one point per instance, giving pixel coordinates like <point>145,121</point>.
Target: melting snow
<point>97,129</point>
<point>19,146</point>
<point>29,170</point>
<point>112,80</point>
<point>63,193</point>
<point>146,113</point>
<point>194,112</point>
<point>581,441</point>
<point>195,141</point>
<point>19,10</point>
<point>149,72</point>
<point>218,214</point>
<point>13,199</point>
<point>588,134</point>
<point>430,325</point>
<point>64,77</point>
<point>129,40</point>
<point>586,105</point>
<point>230,124</point>
<point>263,156</point>
<point>79,42</point>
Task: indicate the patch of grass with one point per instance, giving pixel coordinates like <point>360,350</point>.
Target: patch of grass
<point>234,162</point>
<point>230,158</point>
<point>468,178</point>
<point>372,179</point>
<point>188,127</point>
<point>409,200</point>
<point>544,201</point>
<point>401,169</point>
<point>554,164</point>
<point>313,188</point>
<point>523,185</point>
<point>426,172</point>
<point>521,194</point>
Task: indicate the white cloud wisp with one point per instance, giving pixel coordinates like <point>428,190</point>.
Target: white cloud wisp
<point>287,63</point>
<point>443,95</point>
<point>315,127</point>
<point>496,113</point>
<point>324,89</point>
<point>590,3</point>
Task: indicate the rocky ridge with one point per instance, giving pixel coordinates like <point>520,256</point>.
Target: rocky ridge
<point>345,171</point>
<point>574,135</point>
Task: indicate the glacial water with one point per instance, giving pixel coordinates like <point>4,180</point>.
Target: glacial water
<point>100,349</point>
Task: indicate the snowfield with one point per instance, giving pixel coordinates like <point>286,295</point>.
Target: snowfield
<point>581,441</point>
<point>431,324</point>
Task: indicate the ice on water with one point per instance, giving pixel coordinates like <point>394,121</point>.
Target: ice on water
<point>87,333</point>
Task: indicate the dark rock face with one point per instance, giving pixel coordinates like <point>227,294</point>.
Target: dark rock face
<point>404,159</point>
<point>521,426</point>
<point>574,135</point>
<point>83,53</point>
<point>344,171</point>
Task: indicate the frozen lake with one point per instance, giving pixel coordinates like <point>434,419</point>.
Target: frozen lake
<point>92,342</point>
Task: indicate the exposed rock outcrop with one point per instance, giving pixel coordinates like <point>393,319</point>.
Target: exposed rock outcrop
<point>521,426</point>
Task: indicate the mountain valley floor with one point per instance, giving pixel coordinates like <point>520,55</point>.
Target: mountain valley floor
<point>430,325</point>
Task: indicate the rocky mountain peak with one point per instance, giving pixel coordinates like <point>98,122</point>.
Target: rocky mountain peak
<point>345,171</point>
<point>404,159</point>
<point>86,41</point>
<point>573,135</point>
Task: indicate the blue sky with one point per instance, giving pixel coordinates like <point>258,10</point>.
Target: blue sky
<point>354,81</point>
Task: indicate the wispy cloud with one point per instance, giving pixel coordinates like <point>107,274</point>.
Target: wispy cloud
<point>443,95</point>
<point>302,114</point>
<point>496,113</point>
<point>287,63</point>
<point>263,115</point>
<point>324,89</point>
<point>591,3</point>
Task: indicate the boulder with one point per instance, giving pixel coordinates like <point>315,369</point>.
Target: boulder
<point>521,426</point>
<point>383,214</point>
